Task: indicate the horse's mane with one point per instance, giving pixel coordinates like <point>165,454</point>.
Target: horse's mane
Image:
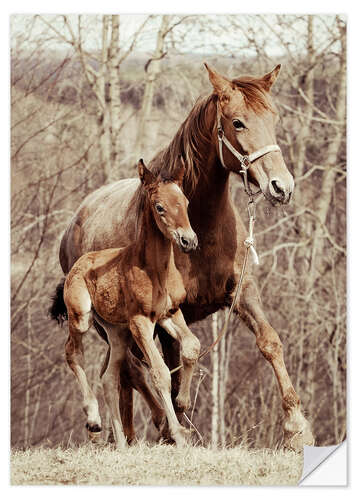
<point>191,141</point>
<point>253,92</point>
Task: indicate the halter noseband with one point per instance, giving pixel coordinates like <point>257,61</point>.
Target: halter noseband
<point>245,160</point>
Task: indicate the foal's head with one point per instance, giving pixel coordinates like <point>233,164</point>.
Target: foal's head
<point>249,118</point>
<point>169,206</point>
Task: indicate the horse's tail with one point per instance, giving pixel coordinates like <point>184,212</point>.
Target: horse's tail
<point>58,309</point>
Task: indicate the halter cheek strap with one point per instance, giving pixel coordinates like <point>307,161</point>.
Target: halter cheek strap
<point>245,160</point>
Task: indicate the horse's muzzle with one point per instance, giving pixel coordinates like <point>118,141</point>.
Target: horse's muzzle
<point>279,193</point>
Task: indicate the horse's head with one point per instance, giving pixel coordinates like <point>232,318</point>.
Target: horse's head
<point>247,116</point>
<point>169,206</point>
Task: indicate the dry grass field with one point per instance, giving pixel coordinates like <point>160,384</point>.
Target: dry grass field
<point>155,465</point>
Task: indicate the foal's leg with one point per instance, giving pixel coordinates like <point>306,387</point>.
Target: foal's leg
<point>190,348</point>
<point>78,325</point>
<point>142,329</point>
<point>297,430</point>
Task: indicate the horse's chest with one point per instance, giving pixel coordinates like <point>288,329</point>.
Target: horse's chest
<point>210,281</point>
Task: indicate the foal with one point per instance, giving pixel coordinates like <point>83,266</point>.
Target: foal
<point>136,286</point>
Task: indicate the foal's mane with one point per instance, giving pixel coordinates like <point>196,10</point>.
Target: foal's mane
<point>140,202</point>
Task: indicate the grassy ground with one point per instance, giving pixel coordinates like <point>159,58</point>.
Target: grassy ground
<point>155,465</point>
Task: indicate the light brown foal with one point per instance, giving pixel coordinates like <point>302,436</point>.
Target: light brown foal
<point>136,286</point>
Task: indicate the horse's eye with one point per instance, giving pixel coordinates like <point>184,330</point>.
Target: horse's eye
<point>238,125</point>
<point>159,208</point>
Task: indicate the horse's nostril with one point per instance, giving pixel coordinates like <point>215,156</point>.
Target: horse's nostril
<point>184,242</point>
<point>277,189</point>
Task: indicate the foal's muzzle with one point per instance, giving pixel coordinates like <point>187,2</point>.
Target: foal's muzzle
<point>187,241</point>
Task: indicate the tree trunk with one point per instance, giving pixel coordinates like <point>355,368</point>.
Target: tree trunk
<point>215,383</point>
<point>328,179</point>
<point>114,92</point>
<point>152,71</point>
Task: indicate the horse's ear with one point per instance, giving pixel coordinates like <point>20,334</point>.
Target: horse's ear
<point>269,79</point>
<point>145,175</point>
<point>222,85</point>
<point>179,172</point>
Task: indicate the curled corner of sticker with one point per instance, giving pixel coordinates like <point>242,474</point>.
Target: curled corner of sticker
<point>315,456</point>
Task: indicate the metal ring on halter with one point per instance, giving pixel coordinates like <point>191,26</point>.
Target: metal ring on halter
<point>245,162</point>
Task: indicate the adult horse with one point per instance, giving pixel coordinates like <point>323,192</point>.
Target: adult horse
<point>234,124</point>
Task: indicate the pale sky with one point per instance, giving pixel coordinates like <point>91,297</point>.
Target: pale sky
<point>209,34</point>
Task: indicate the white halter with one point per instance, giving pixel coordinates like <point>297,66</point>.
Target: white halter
<point>245,160</point>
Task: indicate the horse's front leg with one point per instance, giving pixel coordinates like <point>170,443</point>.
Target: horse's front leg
<point>190,348</point>
<point>297,430</point>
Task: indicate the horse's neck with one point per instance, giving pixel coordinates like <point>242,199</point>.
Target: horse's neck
<point>211,195</point>
<point>210,200</point>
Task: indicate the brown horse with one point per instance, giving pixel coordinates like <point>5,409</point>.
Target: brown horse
<point>137,286</point>
<point>228,131</point>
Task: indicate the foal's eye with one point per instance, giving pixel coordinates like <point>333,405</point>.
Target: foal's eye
<point>238,125</point>
<point>159,208</point>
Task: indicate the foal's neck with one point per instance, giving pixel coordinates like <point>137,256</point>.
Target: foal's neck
<point>155,249</point>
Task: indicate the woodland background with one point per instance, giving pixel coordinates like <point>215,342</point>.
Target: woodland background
<point>89,96</point>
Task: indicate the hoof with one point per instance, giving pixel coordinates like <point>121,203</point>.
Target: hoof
<point>297,432</point>
<point>94,432</point>
<point>111,439</point>
<point>182,437</point>
<point>181,405</point>
<point>164,433</point>
<point>160,422</point>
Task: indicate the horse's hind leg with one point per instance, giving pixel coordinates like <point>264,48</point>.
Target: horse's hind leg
<point>138,377</point>
<point>111,379</point>
<point>297,430</point>
<point>126,403</point>
<point>142,329</point>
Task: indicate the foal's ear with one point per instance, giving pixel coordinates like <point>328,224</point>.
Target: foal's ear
<point>145,175</point>
<point>179,172</point>
<point>269,79</point>
<point>222,86</point>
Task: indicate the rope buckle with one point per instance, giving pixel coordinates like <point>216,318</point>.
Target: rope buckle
<point>249,242</point>
<point>252,209</point>
<point>245,162</point>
